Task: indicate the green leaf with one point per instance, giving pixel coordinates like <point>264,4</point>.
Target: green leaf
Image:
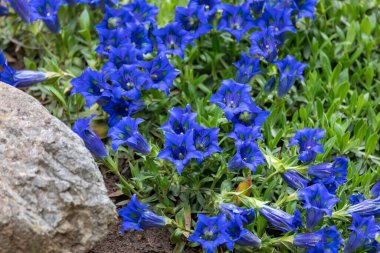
<point>371,143</point>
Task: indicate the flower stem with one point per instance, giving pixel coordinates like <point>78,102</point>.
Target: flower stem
<point>267,180</point>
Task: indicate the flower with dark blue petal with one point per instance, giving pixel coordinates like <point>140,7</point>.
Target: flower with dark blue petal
<point>236,20</point>
<point>295,180</point>
<point>179,149</point>
<point>256,7</point>
<point>47,11</point>
<point>3,10</point>
<point>116,38</point>
<point>277,19</point>
<point>193,20</point>
<point>118,57</point>
<point>290,70</point>
<point>264,44</point>
<point>142,11</point>
<point>126,132</point>
<point>280,219</point>
<point>243,133</point>
<point>97,3</point>
<point>173,39</point>
<point>210,232</point>
<point>363,231</point>
<point>305,8</point>
<point>138,35</point>
<point>330,172</point>
<point>270,85</point>
<point>247,68</point>
<point>318,202</point>
<point>375,190</point>
<point>136,216</point>
<point>308,141</point>
<point>356,198</point>
<point>206,141</point>
<point>127,82</point>
<point>22,8</point>
<point>181,120</point>
<point>239,235</point>
<point>247,216</point>
<point>323,240</point>
<point>248,155</point>
<point>253,116</point>
<point>92,142</point>
<point>160,73</point>
<point>92,85</point>
<point>114,19</point>
<point>232,97</point>
<point>210,7</point>
<point>367,207</point>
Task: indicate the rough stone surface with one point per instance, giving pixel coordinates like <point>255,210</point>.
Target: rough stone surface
<point>52,195</point>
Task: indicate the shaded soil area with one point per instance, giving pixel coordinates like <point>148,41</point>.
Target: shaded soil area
<point>153,240</point>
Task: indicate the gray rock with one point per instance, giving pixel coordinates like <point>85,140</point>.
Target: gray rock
<point>52,194</point>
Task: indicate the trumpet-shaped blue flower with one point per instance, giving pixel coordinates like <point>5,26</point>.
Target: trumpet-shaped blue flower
<point>138,35</point>
<point>295,180</point>
<point>247,216</point>
<point>3,10</point>
<point>47,11</point>
<point>239,235</point>
<point>277,19</point>
<point>264,44</point>
<point>305,8</point>
<point>290,71</point>
<point>247,68</point>
<point>116,38</point>
<point>127,82</point>
<point>324,240</point>
<point>252,117</point>
<point>367,207</point>
<point>232,97</point>
<point>270,85</point>
<point>356,198</point>
<point>172,39</point>
<point>142,12</point>
<point>136,216</point>
<point>93,86</point>
<point>206,141</point>
<point>193,20</point>
<point>236,20</point>
<point>308,141</point>
<point>318,202</point>
<point>181,120</point>
<point>256,7</point>
<point>126,132</point>
<point>210,232</point>
<point>210,7</point>
<point>114,19</point>
<point>179,149</point>
<point>91,140</point>
<point>160,73</point>
<point>243,133</point>
<point>375,190</point>
<point>280,219</point>
<point>363,232</point>
<point>248,155</point>
<point>21,7</point>
<point>118,57</point>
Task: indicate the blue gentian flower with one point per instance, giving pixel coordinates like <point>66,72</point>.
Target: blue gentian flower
<point>236,20</point>
<point>116,38</point>
<point>114,19</point>
<point>142,11</point>
<point>238,234</point>
<point>367,207</point>
<point>47,11</point>
<point>308,141</point>
<point>138,36</point>
<point>270,85</point>
<point>95,3</point>
<point>136,216</point>
<point>118,108</point>
<point>295,180</point>
<point>264,44</point>
<point>127,82</point>
<point>92,142</point>
<point>92,85</point>
<point>179,149</point>
<point>206,141</point>
<point>305,8</point>
<point>193,20</point>
<point>290,71</point>
<point>324,240</point>
<point>210,232</point>
<point>280,219</point>
<point>256,7</point>
<point>248,155</point>
<point>247,216</point>
<point>247,68</point>
<point>118,57</point>
<point>243,133</point>
<point>126,132</point>
<point>22,8</point>
<point>160,73</point>
<point>232,97</point>
<point>252,117</point>
<point>19,78</point>
<point>318,202</point>
<point>3,10</point>
<point>172,39</point>
<point>277,19</point>
<point>181,120</point>
<point>209,7</point>
<point>363,231</point>
<point>375,190</point>
<point>356,198</point>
